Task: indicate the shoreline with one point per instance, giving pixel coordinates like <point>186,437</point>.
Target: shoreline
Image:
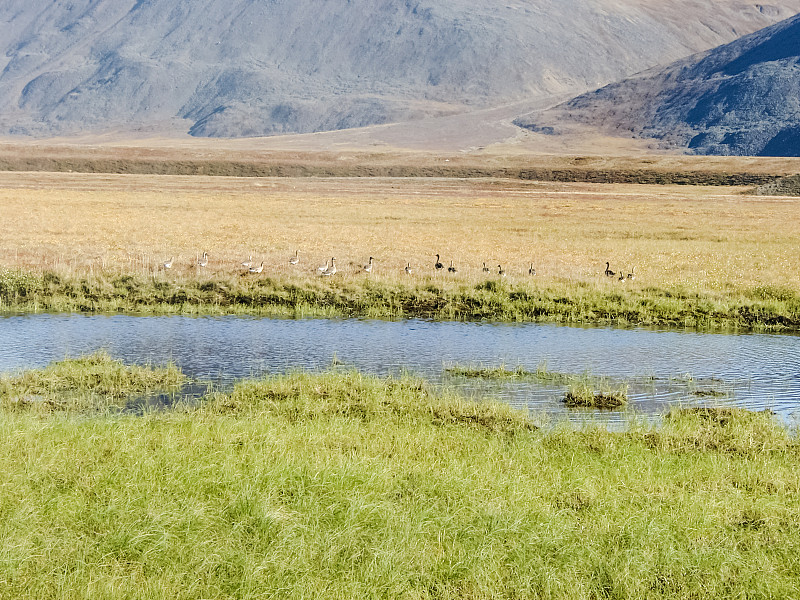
<point>762,309</point>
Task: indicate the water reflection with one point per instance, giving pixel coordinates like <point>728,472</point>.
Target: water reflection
<point>756,371</point>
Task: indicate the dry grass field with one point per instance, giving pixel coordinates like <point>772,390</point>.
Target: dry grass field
<point>704,238</point>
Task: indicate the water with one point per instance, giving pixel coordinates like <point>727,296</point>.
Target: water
<point>663,368</point>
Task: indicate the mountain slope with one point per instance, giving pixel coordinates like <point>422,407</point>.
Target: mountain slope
<point>739,99</point>
<point>257,67</point>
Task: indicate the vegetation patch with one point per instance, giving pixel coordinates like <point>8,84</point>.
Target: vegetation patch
<point>353,395</point>
<point>722,429</point>
<point>763,309</point>
<point>586,396</point>
<point>541,375</point>
<point>708,393</point>
<point>92,381</point>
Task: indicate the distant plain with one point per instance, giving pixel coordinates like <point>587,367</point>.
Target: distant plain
<point>704,237</point>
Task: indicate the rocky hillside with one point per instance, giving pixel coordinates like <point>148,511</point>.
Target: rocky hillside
<point>739,99</point>
<point>257,67</point>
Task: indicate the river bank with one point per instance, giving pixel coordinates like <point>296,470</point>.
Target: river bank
<point>761,308</point>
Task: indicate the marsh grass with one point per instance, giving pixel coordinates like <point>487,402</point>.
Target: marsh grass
<point>341,485</point>
<point>542,374</point>
<point>586,395</point>
<point>95,381</point>
<point>352,395</point>
<point>584,390</point>
<point>763,309</point>
<point>723,429</point>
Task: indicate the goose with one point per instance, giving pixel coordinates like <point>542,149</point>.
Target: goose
<point>409,270</point>
<point>256,269</point>
<point>248,262</point>
<point>451,268</point>
<point>609,272</point>
<point>485,268</point>
<point>295,259</point>
<point>323,268</point>
<point>368,268</point>
<point>168,264</point>
<point>621,276</point>
<point>203,261</point>
<point>332,269</point>
<point>531,271</point>
<point>631,275</point>
<point>501,271</point>
<point>439,266</point>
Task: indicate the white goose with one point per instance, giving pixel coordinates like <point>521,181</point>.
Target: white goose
<point>330,270</point>
<point>248,262</point>
<point>295,259</point>
<point>323,268</point>
<point>203,261</point>
<point>368,267</point>
<point>257,269</point>
<point>168,264</point>
<point>409,270</point>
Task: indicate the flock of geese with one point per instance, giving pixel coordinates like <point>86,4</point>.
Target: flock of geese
<point>329,268</point>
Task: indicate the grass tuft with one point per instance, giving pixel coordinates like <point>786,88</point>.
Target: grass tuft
<point>353,395</point>
<point>584,395</point>
<point>541,375</point>
<point>722,429</point>
<point>93,381</point>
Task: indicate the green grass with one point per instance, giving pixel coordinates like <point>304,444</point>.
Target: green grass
<point>94,381</point>
<point>762,308</point>
<point>541,375</point>
<point>340,485</point>
<point>585,395</point>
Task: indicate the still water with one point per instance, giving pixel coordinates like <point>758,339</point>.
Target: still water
<point>662,368</point>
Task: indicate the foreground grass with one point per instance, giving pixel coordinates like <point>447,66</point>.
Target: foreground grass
<point>762,308</point>
<point>93,381</point>
<point>339,485</point>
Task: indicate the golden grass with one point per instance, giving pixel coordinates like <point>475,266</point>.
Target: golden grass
<point>699,237</point>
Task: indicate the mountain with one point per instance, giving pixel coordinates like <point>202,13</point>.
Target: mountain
<point>742,98</point>
<point>261,67</point>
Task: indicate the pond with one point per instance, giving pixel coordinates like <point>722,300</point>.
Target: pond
<point>661,368</point>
